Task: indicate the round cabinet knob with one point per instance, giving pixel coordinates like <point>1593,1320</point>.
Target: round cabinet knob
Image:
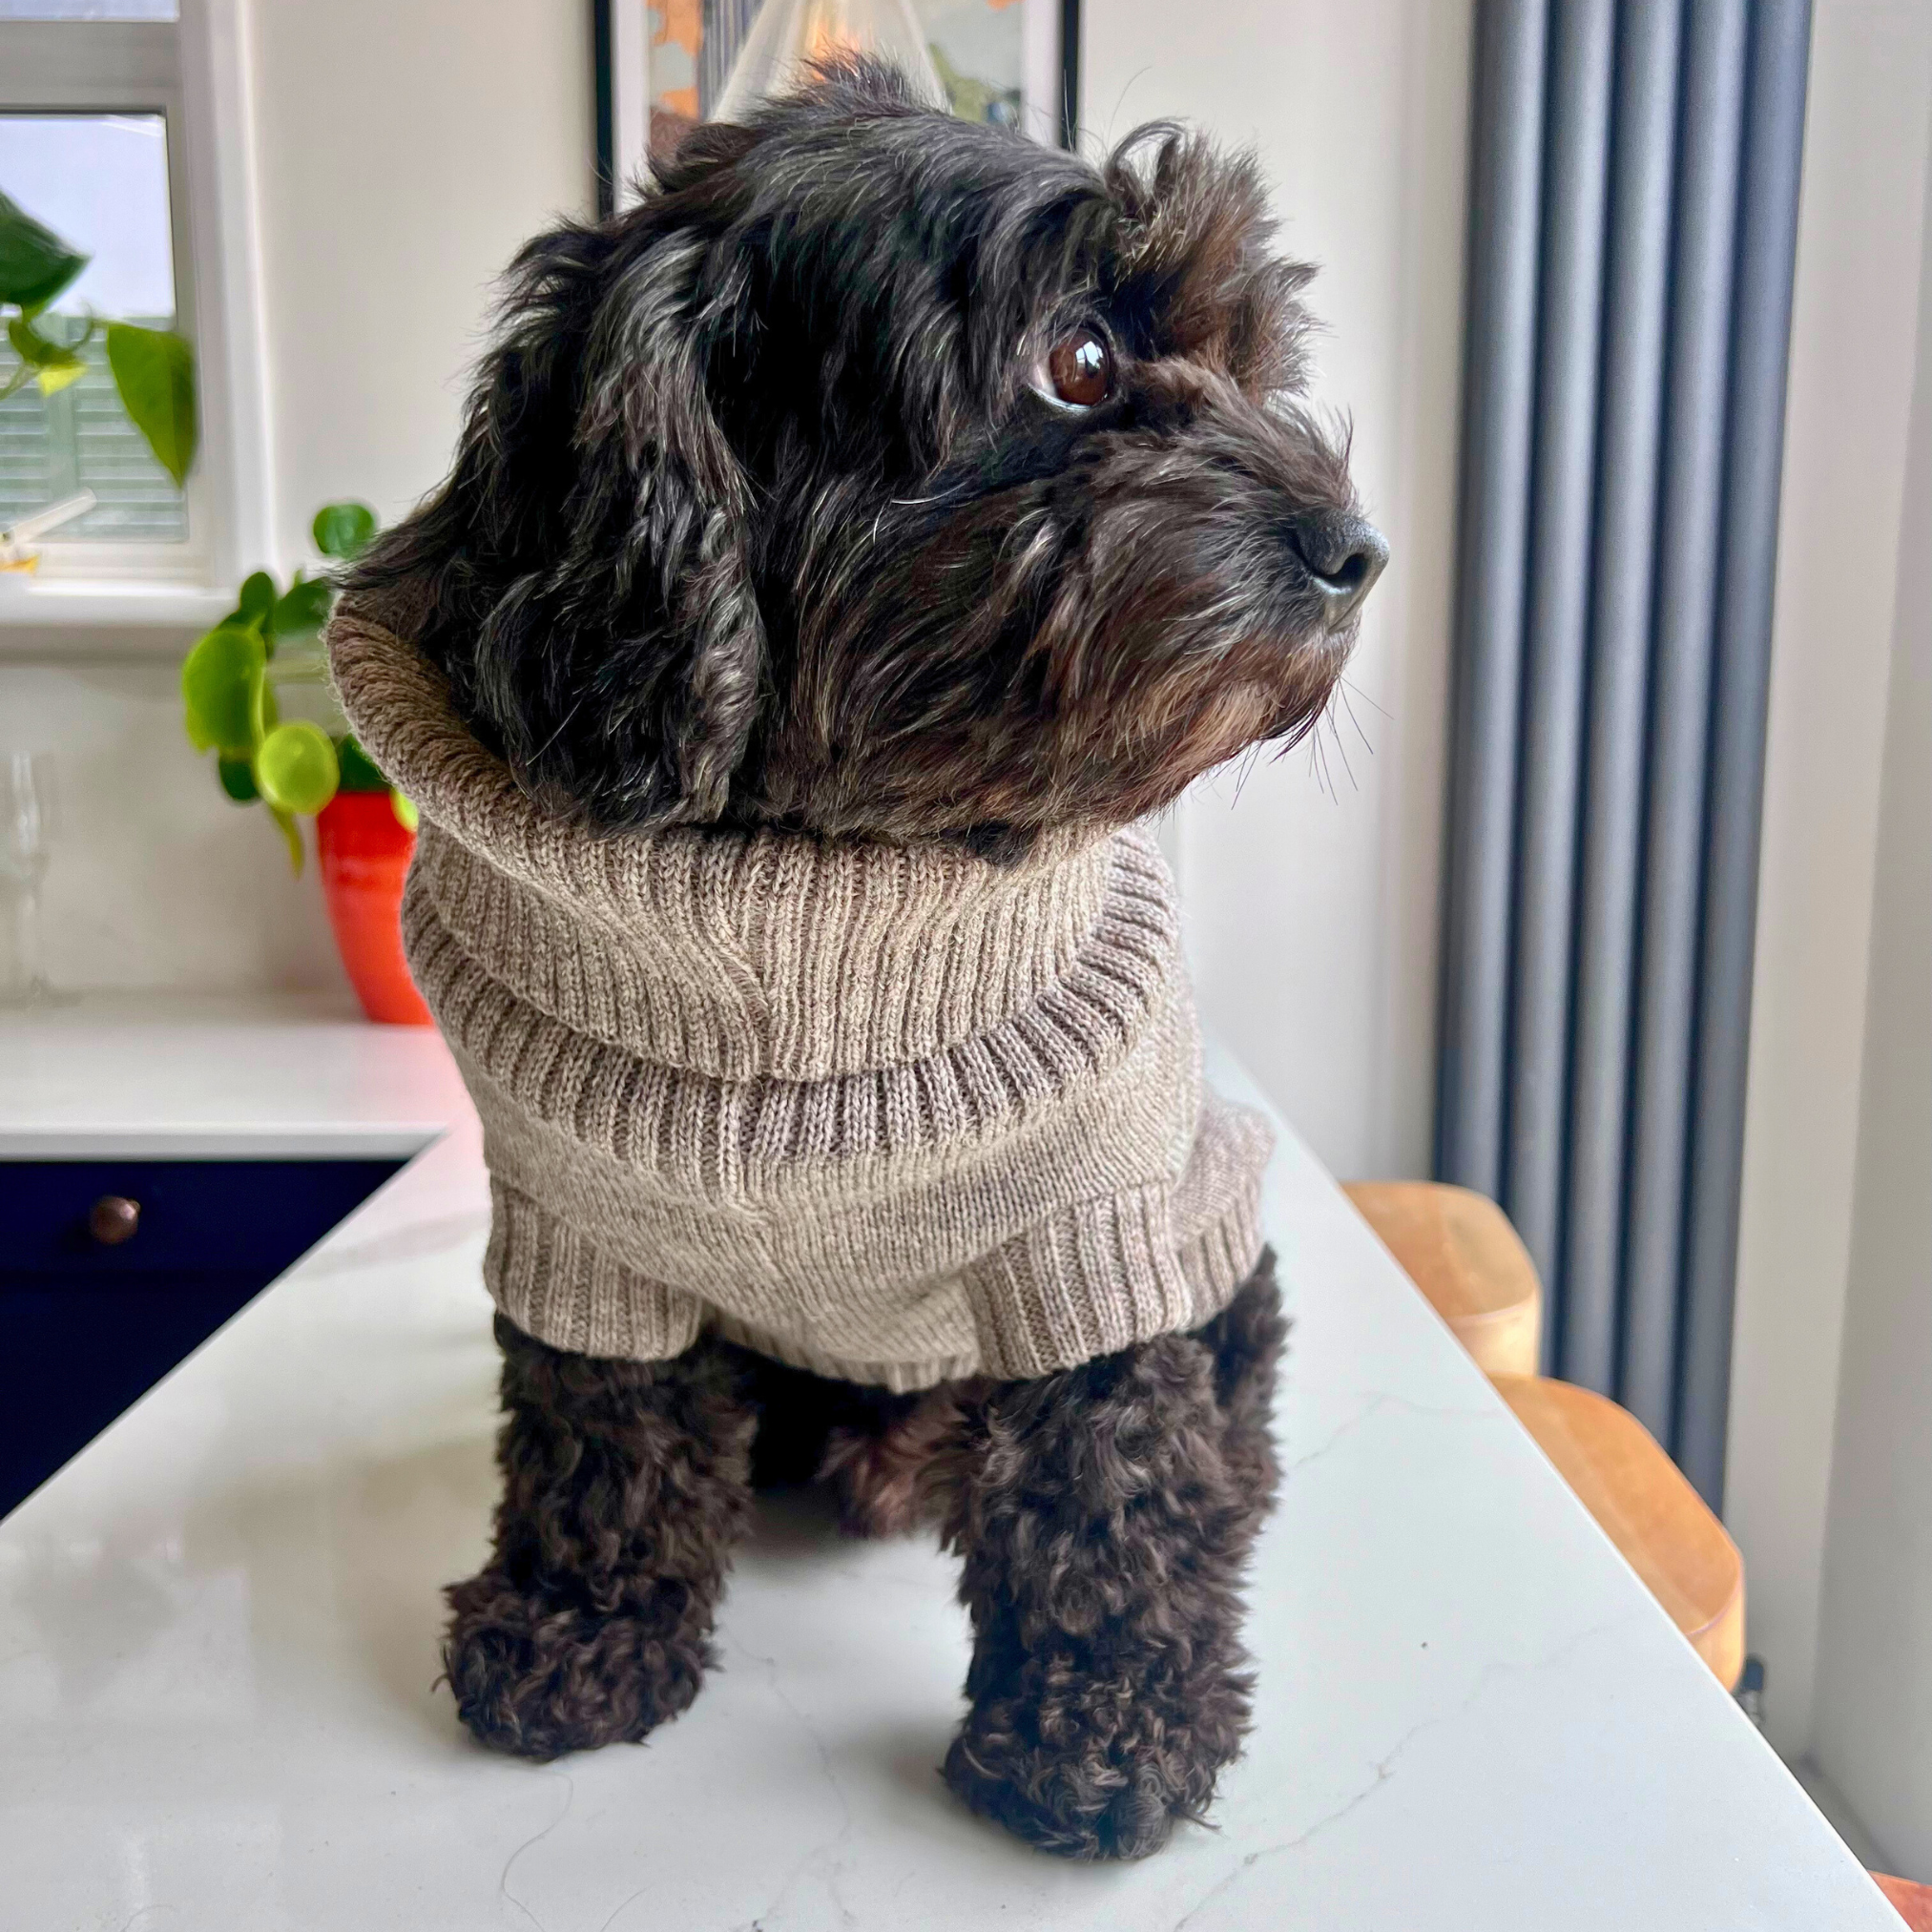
<point>112,1219</point>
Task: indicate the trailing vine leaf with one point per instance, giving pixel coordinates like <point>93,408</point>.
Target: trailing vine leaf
<point>255,606</point>
<point>295,767</point>
<point>343,530</point>
<point>291,837</point>
<point>359,773</point>
<point>154,369</point>
<point>223,691</point>
<point>229,682</point>
<point>305,607</point>
<point>53,364</point>
<point>238,780</point>
<point>35,264</point>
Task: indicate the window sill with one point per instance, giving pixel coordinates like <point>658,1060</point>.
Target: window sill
<point>70,618</point>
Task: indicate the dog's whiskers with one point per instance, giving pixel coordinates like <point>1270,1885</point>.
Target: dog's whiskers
<point>1353,686</point>
<point>911,503</point>
<point>1242,769</point>
<point>1342,693</point>
<point>1341,750</point>
<point>951,495</point>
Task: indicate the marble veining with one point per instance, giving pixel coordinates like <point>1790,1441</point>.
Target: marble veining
<point>218,1624</point>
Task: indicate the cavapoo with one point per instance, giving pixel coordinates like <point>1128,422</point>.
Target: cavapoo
<point>847,544</point>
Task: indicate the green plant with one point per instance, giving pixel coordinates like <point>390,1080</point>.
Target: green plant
<point>228,692</point>
<point>153,370</point>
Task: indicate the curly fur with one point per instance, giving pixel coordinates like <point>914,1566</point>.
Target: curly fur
<point>1105,1517</point>
<point>625,1486</point>
<point>869,1445</point>
<point>879,1474</point>
<point>761,515</point>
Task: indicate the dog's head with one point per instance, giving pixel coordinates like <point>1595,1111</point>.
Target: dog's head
<point>882,473</point>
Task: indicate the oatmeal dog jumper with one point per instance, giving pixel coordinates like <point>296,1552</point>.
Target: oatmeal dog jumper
<point>890,1115</point>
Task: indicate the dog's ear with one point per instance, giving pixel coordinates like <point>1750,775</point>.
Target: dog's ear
<point>582,578</point>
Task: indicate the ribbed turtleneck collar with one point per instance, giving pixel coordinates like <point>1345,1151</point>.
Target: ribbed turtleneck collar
<point>735,954</point>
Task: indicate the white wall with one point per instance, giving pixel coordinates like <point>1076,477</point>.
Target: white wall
<point>403,151</point>
<point>408,148</point>
<point>1312,904</point>
<point>156,879</point>
<point>1854,349</point>
<point>1873,1725</point>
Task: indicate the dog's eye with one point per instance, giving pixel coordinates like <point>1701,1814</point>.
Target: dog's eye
<point>1080,366</point>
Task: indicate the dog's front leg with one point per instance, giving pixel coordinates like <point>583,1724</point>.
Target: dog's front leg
<point>625,1486</point>
<point>1103,1524</point>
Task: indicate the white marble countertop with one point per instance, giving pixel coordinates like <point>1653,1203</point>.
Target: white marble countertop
<point>211,1078</point>
<point>218,1624</point>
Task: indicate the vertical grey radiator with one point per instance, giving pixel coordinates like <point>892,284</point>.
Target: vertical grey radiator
<point>1634,211</point>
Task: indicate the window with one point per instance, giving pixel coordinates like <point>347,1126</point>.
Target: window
<point>100,182</point>
<point>110,134</point>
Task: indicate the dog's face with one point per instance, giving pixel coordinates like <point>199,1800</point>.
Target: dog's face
<point>885,475</point>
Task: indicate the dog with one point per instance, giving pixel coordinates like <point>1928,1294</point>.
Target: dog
<point>892,482</point>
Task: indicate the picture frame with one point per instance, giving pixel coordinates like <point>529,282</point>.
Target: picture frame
<point>660,63</point>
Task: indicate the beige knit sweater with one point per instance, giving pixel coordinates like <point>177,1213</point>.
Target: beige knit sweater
<point>893,1116</point>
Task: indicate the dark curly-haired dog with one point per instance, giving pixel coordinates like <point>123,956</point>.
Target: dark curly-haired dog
<point>886,476</point>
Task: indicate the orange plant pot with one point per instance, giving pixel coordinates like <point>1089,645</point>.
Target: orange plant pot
<point>365,852</point>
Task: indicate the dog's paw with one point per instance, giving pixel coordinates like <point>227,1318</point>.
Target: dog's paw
<point>538,1675</point>
<point>1092,1770</point>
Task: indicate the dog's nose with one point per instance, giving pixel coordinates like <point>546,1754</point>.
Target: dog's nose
<point>1343,557</point>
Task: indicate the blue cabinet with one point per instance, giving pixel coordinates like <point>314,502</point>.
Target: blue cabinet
<point>110,1271</point>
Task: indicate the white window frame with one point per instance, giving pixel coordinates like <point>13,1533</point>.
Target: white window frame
<point>195,72</point>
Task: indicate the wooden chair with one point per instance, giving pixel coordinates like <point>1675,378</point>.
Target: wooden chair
<point>1459,1250</point>
<point>1912,1902</point>
<point>1644,1504</point>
